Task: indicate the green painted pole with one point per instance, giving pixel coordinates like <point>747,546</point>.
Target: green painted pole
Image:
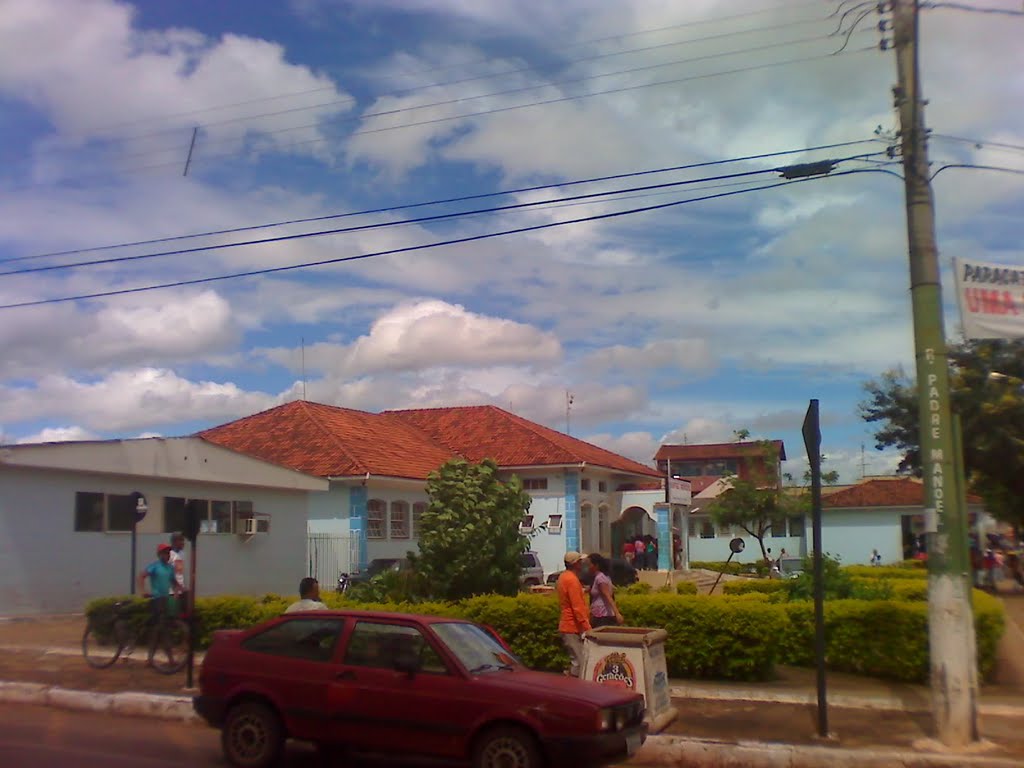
<point>954,675</point>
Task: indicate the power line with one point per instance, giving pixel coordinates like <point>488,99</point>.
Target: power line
<point>622,36</point>
<point>445,201</point>
<point>241,137</point>
<point>412,248</point>
<point>978,143</point>
<point>388,224</point>
<point>352,119</point>
<point>972,8</point>
<point>1000,169</point>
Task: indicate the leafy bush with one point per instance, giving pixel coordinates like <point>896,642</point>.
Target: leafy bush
<point>885,572</point>
<point>709,637</point>
<point>528,623</point>
<point>914,565</point>
<point>686,588</point>
<point>838,584</point>
<point>636,588</point>
<point>766,586</point>
<point>872,589</point>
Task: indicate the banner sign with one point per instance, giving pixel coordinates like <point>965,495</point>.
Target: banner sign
<point>991,299</point>
<point>679,491</point>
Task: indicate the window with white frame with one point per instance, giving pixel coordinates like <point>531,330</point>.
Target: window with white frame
<point>376,519</point>
<point>417,512</point>
<point>602,526</point>
<point>526,524</point>
<point>398,523</point>
<point>99,512</point>
<point>215,516</point>
<point>797,526</point>
<point>585,484</point>
<point>554,523</point>
<point>535,483</point>
<point>778,527</point>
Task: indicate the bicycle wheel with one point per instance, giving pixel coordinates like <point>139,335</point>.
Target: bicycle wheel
<point>102,644</point>
<point>169,650</point>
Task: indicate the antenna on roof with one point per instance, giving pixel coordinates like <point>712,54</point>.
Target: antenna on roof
<point>568,407</point>
<point>302,341</point>
<point>863,463</point>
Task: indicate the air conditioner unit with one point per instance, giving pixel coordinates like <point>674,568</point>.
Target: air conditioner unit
<point>249,526</point>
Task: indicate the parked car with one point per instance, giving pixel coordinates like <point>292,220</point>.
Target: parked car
<point>622,574</point>
<point>531,571</point>
<point>399,685</point>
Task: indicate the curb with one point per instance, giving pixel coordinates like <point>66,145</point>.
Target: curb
<point>845,701</point>
<point>130,704</point>
<point>682,752</point>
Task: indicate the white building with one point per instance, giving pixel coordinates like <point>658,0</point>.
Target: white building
<point>66,515</point>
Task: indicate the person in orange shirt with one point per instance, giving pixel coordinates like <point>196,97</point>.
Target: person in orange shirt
<point>575,618</point>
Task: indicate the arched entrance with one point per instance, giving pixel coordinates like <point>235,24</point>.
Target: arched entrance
<point>633,522</point>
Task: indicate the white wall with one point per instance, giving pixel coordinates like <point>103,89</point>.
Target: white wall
<point>852,534</point>
<point>48,567</point>
<point>328,512</point>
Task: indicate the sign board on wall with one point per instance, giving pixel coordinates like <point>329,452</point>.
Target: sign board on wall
<point>679,491</point>
<point>991,299</point>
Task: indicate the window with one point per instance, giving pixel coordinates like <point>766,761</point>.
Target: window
<point>214,516</point>
<point>381,645</point>
<point>120,512</point>
<point>796,526</point>
<point>89,511</point>
<point>707,528</point>
<point>398,525</point>
<point>585,484</point>
<point>103,512</point>
<point>535,483</point>
<point>554,524</point>
<point>309,639</point>
<point>375,519</point>
<point>602,528</point>
<point>417,512</point>
<point>602,487</point>
<point>778,527</point>
<point>526,525</point>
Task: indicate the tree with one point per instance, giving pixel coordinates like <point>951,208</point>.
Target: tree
<point>991,410</point>
<point>469,534</point>
<point>757,502</point>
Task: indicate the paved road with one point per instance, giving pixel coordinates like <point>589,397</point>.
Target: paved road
<point>40,737</point>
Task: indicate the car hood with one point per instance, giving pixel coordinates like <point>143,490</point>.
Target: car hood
<point>539,684</point>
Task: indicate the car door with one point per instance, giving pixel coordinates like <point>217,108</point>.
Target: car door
<point>375,707</point>
<point>293,660</point>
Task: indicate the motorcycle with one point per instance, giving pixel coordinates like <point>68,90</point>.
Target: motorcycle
<point>343,584</point>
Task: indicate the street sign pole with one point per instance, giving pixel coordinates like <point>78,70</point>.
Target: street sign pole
<point>812,441</point>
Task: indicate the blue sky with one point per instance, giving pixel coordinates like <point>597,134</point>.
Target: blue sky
<point>685,323</point>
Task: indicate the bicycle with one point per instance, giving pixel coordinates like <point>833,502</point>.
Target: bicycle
<point>113,633</point>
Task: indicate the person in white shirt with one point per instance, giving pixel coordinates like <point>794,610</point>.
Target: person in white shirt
<point>177,561</point>
<point>309,592</point>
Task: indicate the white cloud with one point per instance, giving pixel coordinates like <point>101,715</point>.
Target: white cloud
<point>97,76</point>
<point>129,400</point>
<point>683,354</point>
<point>428,334</point>
<point>639,446</point>
<point>59,435</point>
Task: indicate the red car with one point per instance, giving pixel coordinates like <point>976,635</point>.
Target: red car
<point>415,686</point>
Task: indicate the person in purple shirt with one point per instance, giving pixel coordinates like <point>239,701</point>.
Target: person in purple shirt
<point>603,610</point>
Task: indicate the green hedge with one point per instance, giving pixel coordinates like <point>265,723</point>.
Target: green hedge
<point>759,567</point>
<point>885,572</point>
<point>738,636</point>
<point>686,588</point>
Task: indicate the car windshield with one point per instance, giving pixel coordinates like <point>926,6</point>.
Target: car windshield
<point>475,649</point>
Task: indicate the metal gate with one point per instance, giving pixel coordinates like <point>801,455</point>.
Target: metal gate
<point>328,555</point>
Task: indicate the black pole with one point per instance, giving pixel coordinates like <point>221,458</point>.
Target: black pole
<point>812,441</point>
<point>190,664</point>
<point>724,569</point>
<point>135,524</point>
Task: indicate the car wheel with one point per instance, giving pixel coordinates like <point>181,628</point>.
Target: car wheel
<point>506,747</point>
<point>252,736</point>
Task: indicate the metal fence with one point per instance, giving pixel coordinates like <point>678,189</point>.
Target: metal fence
<point>328,555</point>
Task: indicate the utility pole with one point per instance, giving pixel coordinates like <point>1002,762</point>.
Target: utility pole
<point>954,674</point>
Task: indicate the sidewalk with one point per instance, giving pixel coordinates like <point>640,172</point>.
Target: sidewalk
<point>720,723</point>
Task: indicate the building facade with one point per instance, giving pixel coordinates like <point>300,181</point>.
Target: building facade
<point>66,513</point>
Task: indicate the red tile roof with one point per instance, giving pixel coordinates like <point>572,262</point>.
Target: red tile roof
<point>715,451</point>
<point>881,492</point>
<point>700,483</point>
<point>485,431</point>
<point>329,441</point>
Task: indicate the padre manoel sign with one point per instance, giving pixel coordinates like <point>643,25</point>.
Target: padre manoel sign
<point>991,299</point>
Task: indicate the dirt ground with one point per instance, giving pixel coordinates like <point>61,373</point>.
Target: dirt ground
<point>48,631</point>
